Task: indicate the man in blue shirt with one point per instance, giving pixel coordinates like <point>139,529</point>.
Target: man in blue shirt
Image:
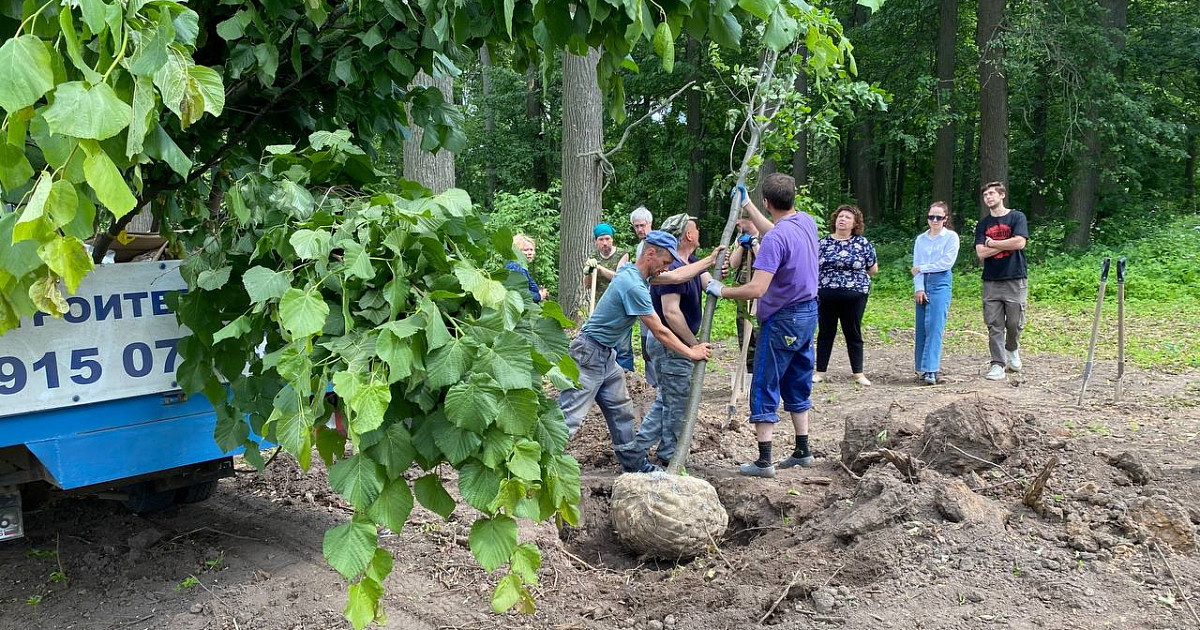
<point>678,306</point>
<point>600,378</point>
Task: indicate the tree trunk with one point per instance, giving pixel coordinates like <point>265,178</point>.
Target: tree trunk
<point>582,130</point>
<point>1189,168</point>
<point>489,119</point>
<point>535,114</point>
<point>695,126</point>
<point>898,189</point>
<point>1040,121</point>
<point>434,171</point>
<point>993,97</point>
<point>966,191</point>
<point>943,151</point>
<point>864,183</point>
<point>1085,184</point>
<point>800,157</point>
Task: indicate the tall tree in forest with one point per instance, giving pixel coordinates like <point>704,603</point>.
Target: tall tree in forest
<point>697,176</point>
<point>1085,183</point>
<point>862,157</point>
<point>583,129</point>
<point>943,152</point>
<point>489,118</point>
<point>435,171</point>
<point>535,112</point>
<point>993,95</point>
<point>800,157</point>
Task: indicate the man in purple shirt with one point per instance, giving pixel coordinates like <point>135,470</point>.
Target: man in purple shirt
<point>785,284</point>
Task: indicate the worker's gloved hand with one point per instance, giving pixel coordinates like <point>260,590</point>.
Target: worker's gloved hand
<point>740,195</point>
<point>715,288</point>
<point>747,240</point>
<point>590,265</point>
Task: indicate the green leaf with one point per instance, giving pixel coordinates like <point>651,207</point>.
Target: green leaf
<point>359,479</point>
<point>311,244</point>
<point>517,411</point>
<point>555,312</point>
<point>510,497</point>
<point>397,354</point>
<point>393,506</point>
<point>140,115</point>
<point>472,405</point>
<point>446,365</point>
<point>17,257</point>
<point>551,430</point>
<point>508,361</point>
<point>15,169</point>
<point>213,279</point>
<point>152,53</point>
<point>493,541</point>
<point>62,203</point>
<point>429,491</point>
<point>873,5</point>
<point>83,224</point>
<point>362,603</point>
<point>67,258</point>
<point>357,261</point>
<point>490,293</point>
<point>664,46</point>
<point>525,461</point>
<point>46,296</point>
<point>369,402</point>
<point>381,565</point>
<point>160,146</point>
<point>760,9</point>
<point>479,485</point>
<point>526,560</point>
<point>93,15</point>
<point>496,447</point>
<point>562,479</point>
<point>171,81</point>
<point>34,224</point>
<point>350,546</point>
<point>233,329</point>
<point>234,27</point>
<point>262,284</point>
<point>781,31</point>
<point>394,450</point>
<point>110,187</point>
<point>456,443</point>
<point>96,113</point>
<point>302,313</point>
<point>510,592</point>
<point>210,86</point>
<point>231,431</point>
<point>509,7</point>
<point>725,29</point>
<point>26,73</point>
<point>436,333</point>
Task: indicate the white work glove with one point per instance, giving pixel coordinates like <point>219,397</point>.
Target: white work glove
<point>715,288</point>
<point>590,265</point>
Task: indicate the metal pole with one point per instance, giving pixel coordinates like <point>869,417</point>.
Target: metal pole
<point>1087,367</point>
<point>1120,328</point>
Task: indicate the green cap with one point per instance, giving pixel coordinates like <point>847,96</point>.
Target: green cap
<point>676,224</point>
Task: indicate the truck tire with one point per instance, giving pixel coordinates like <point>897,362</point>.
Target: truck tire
<point>197,492</point>
<point>144,499</point>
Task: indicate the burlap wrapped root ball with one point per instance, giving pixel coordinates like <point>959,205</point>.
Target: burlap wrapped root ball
<point>667,516</point>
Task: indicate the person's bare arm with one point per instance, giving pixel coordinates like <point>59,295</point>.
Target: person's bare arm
<point>698,352</point>
<point>751,290</point>
<point>760,221</point>
<point>687,272</point>
<point>1012,243</point>
<point>873,269</point>
<point>983,251</point>
<point>675,319</point>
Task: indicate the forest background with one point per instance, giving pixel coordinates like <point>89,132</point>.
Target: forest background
<point>1090,113</point>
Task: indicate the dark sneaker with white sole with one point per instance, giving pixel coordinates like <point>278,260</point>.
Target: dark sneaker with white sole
<point>754,470</point>
<point>793,461</point>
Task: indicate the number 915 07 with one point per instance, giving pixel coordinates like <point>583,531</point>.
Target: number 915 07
<point>84,366</point>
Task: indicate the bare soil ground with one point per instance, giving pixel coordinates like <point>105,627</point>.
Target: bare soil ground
<point>1111,542</point>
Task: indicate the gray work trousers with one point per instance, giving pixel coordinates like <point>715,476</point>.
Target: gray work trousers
<point>603,381</point>
<point>1004,314</point>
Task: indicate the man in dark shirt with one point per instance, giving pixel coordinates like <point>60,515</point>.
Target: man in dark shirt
<point>678,306</point>
<point>1000,240</point>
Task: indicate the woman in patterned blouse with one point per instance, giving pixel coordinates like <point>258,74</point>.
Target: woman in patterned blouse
<point>847,262</point>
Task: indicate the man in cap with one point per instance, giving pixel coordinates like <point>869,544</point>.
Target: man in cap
<point>785,283</point>
<point>600,378</point>
<point>678,305</point>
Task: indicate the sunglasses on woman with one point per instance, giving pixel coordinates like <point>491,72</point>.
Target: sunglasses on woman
<point>936,217</point>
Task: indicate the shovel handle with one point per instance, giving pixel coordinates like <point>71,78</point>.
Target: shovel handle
<point>1121,270</point>
<point>1104,269</point>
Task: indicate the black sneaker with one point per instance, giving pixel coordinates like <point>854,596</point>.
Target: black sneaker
<point>804,462</point>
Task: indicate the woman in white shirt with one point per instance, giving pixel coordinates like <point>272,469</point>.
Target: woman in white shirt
<point>934,254</point>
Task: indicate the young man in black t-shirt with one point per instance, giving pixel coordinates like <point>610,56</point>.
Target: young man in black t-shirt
<point>1000,240</point>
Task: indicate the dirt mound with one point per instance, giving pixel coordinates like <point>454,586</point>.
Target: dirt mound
<point>970,435</point>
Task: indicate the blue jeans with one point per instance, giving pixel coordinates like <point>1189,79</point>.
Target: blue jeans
<point>664,422</point>
<point>602,380</point>
<point>783,362</point>
<point>931,321</point>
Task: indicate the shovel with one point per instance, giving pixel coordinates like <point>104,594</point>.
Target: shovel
<point>592,298</point>
<point>1120,328</point>
<point>1087,367</point>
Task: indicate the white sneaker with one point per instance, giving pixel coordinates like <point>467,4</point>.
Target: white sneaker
<point>996,373</point>
<point>818,377</point>
<point>862,380</point>
<point>1014,361</point>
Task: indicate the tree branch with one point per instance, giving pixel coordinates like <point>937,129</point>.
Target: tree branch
<point>656,110</point>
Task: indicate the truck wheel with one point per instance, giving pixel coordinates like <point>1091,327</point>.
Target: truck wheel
<point>197,492</point>
<point>144,499</point>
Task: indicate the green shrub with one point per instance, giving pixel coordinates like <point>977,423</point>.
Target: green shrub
<point>535,214</point>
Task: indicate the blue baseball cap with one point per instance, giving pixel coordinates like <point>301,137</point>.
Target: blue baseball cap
<point>603,229</point>
<point>659,238</point>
